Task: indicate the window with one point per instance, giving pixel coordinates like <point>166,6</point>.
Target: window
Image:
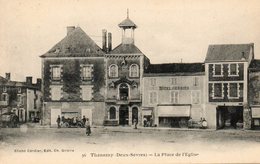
<point>233,90</point>
<point>196,81</point>
<point>112,113</point>
<point>218,90</point>
<point>195,97</point>
<point>153,97</point>
<point>174,81</point>
<point>86,92</point>
<point>4,89</point>
<point>217,70</point>
<point>56,92</point>
<point>153,82</point>
<point>174,97</point>
<point>134,71</point>
<point>20,99</point>
<point>113,71</point>
<point>56,72</point>
<point>4,97</point>
<point>233,69</point>
<point>86,72</point>
<point>19,89</point>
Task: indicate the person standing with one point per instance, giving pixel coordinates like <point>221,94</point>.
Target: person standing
<point>84,120</point>
<point>58,121</point>
<point>88,129</point>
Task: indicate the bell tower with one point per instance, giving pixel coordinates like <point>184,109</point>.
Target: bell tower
<point>128,27</point>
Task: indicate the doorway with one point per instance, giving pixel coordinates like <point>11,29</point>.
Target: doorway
<point>229,117</point>
<point>134,114</point>
<point>123,115</point>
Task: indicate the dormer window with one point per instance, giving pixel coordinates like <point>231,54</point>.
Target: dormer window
<point>19,89</point>
<point>134,70</point>
<point>217,70</point>
<point>233,70</point>
<point>113,70</point>
<point>4,89</point>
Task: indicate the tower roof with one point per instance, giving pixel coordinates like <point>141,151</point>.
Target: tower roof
<point>127,23</point>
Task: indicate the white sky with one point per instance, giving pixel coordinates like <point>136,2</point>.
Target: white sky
<point>168,31</point>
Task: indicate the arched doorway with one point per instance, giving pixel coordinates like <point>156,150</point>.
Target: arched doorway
<point>123,115</point>
<point>123,91</point>
<point>134,114</point>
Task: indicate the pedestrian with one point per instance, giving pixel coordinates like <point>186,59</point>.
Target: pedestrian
<point>145,122</point>
<point>84,120</point>
<point>88,129</point>
<point>135,123</point>
<point>58,121</point>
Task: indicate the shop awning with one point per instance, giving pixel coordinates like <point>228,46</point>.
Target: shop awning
<point>256,112</point>
<point>147,111</point>
<point>174,111</point>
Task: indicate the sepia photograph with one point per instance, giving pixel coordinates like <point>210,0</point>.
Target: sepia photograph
<point>95,81</point>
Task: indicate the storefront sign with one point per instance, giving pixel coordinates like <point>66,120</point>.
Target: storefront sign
<point>174,88</point>
<point>173,111</point>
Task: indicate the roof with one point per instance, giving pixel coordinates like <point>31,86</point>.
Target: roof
<point>228,52</point>
<point>125,49</point>
<point>175,68</point>
<point>127,23</point>
<point>75,44</point>
<point>5,82</point>
<point>255,65</point>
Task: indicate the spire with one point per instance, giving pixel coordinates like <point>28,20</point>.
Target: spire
<point>127,14</point>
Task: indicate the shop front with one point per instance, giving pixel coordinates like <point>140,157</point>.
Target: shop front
<point>255,117</point>
<point>176,116</point>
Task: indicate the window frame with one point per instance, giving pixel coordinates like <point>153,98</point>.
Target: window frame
<point>229,69</point>
<point>153,82</point>
<point>109,113</point>
<point>174,80</point>
<point>196,82</point>
<point>213,91</point>
<point>175,97</point>
<point>131,71</point>
<point>59,67</point>
<point>51,92</point>
<point>116,71</point>
<point>197,97</point>
<point>83,71</point>
<point>153,99</point>
<point>229,91</point>
<point>214,70</point>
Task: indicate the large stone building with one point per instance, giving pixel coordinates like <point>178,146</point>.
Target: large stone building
<point>226,70</point>
<point>22,98</point>
<point>173,93</point>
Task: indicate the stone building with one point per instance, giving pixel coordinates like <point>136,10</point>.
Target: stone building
<point>22,98</point>
<point>173,93</point>
<point>73,73</point>
<point>226,69</point>
<point>125,65</point>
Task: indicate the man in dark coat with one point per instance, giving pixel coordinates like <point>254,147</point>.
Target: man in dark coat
<point>58,121</point>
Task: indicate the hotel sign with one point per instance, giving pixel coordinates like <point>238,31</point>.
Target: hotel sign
<point>174,88</point>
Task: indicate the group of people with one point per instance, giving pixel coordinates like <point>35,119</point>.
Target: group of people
<point>85,121</point>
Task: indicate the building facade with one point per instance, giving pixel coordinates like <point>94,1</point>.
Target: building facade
<point>22,98</point>
<point>125,65</point>
<point>173,94</point>
<point>226,68</point>
<point>73,73</point>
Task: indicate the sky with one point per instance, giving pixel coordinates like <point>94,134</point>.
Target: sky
<point>169,31</point>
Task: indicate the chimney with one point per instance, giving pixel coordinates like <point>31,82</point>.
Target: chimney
<point>29,80</point>
<point>38,82</point>
<point>70,29</point>
<point>104,40</point>
<point>109,41</point>
<point>8,76</point>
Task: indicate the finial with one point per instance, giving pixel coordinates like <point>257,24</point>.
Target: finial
<point>127,13</point>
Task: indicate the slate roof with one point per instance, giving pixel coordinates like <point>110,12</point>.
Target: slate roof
<point>76,44</point>
<point>255,65</point>
<point>125,49</point>
<point>175,68</point>
<point>228,52</point>
<point>127,23</point>
<point>5,82</point>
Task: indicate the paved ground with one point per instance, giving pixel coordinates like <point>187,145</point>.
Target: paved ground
<point>125,144</point>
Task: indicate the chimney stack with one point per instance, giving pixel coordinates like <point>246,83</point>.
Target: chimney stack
<point>29,80</point>
<point>8,76</point>
<point>39,82</point>
<point>70,29</point>
<point>104,40</point>
<point>109,41</point>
